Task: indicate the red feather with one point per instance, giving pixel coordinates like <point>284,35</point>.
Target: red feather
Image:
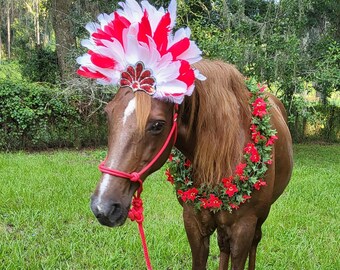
<point>85,72</point>
<point>116,27</point>
<point>187,74</point>
<point>161,33</point>
<point>179,47</point>
<point>144,29</point>
<point>100,34</point>
<point>102,61</point>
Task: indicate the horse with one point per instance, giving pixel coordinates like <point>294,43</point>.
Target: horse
<point>213,128</point>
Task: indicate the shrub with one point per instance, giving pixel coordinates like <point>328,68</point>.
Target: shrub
<point>39,65</point>
<point>34,116</point>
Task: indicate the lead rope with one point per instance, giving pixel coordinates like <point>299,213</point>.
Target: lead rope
<point>136,214</point>
<point>136,211</point>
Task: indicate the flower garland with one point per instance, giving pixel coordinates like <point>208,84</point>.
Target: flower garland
<point>235,190</point>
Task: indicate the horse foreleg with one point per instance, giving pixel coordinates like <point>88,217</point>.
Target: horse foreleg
<point>223,243</point>
<point>241,239</point>
<point>198,231</point>
<point>252,252</point>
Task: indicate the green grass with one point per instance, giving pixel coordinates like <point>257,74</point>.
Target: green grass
<point>46,222</point>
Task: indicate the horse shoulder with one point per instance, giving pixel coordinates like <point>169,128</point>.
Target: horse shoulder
<point>283,148</point>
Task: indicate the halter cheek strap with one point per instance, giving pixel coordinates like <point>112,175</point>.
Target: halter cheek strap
<point>136,211</point>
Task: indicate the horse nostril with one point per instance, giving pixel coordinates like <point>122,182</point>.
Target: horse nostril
<point>107,211</point>
<point>115,210</point>
<point>98,215</point>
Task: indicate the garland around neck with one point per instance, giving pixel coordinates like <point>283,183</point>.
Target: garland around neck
<point>237,189</point>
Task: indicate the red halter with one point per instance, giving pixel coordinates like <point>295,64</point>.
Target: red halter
<point>136,211</point>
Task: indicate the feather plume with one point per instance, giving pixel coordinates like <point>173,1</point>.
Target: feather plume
<point>135,46</point>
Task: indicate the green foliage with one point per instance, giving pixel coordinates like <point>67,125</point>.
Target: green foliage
<point>10,70</point>
<point>283,43</point>
<point>36,116</point>
<point>39,65</point>
<point>328,122</point>
<point>313,121</point>
<point>327,75</point>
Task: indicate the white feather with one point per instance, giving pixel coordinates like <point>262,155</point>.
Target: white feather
<point>92,27</point>
<point>173,12</point>
<point>115,50</point>
<point>192,54</point>
<point>199,76</point>
<point>131,10</point>
<point>167,70</point>
<point>105,19</point>
<point>88,43</point>
<point>154,15</point>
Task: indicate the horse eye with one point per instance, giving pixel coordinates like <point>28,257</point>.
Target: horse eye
<point>156,127</point>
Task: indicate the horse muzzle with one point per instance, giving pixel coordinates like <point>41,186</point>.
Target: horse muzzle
<point>109,213</point>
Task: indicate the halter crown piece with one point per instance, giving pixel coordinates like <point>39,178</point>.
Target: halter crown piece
<point>135,47</point>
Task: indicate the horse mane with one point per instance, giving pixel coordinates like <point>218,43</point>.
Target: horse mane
<point>218,117</point>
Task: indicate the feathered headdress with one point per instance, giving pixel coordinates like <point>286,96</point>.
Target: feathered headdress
<point>136,47</point>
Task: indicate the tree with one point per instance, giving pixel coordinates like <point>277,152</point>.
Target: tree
<point>8,16</point>
<point>65,40</point>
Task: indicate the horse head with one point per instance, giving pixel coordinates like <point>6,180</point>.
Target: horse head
<point>138,127</point>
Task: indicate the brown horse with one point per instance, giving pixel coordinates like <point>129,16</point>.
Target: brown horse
<point>213,128</point>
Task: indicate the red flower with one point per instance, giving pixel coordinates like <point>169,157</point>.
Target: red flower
<point>253,128</point>
<point>227,181</point>
<point>248,148</point>
<point>170,178</point>
<point>254,154</point>
<point>214,202</point>
<point>271,140</point>
<point>187,163</point>
<point>234,206</point>
<point>269,162</point>
<point>211,202</point>
<point>255,157</point>
<point>260,107</point>
<point>240,169</point>
<point>204,203</point>
<point>171,157</point>
<point>259,184</point>
<point>190,194</point>
<point>245,198</point>
<point>256,136</point>
<point>182,195</point>
<point>231,190</point>
<point>261,88</point>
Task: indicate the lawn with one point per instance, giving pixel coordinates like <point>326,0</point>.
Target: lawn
<point>46,222</point>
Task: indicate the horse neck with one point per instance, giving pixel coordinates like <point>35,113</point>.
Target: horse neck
<point>214,155</point>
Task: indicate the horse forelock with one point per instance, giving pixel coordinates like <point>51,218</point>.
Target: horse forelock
<point>219,116</point>
<point>143,108</point>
